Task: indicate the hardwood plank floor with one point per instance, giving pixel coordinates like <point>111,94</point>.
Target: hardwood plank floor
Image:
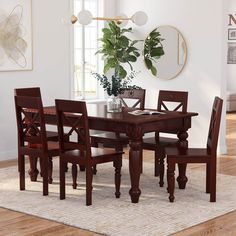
<point>15,223</point>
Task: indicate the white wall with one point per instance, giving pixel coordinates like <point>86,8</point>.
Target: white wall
<point>51,68</point>
<point>231,68</point>
<point>201,23</point>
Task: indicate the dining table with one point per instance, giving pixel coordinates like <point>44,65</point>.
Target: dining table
<point>134,126</point>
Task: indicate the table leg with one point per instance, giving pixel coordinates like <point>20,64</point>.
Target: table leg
<point>33,171</point>
<point>183,145</point>
<point>135,169</point>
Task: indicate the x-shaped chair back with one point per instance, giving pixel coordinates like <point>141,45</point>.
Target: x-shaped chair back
<point>172,101</point>
<point>31,126</point>
<point>72,115</point>
<point>133,98</point>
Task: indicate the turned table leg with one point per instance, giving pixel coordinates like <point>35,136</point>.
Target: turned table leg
<point>33,171</point>
<point>135,169</point>
<point>183,145</point>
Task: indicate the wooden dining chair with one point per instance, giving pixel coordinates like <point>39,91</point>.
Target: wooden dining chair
<point>32,137</point>
<point>80,151</point>
<point>50,135</point>
<point>198,155</point>
<point>167,101</point>
<point>134,98</point>
<point>35,92</point>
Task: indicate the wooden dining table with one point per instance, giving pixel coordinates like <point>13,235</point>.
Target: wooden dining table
<point>134,126</point>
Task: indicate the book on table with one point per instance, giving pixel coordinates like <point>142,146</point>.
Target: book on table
<point>145,112</point>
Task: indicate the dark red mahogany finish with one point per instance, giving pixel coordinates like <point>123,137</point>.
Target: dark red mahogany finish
<point>51,135</point>
<point>134,127</point>
<point>167,100</point>
<point>198,155</point>
<point>80,151</point>
<point>32,139</point>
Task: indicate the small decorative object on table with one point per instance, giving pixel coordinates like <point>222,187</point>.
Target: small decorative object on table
<point>114,88</point>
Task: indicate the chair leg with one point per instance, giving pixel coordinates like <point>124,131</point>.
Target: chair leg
<point>89,179</point>
<point>41,167</point>
<point>213,182</point>
<point>45,174</point>
<point>21,169</point>
<point>94,144</point>
<point>117,164</point>
<point>208,169</point>
<point>157,163</point>
<point>74,175</point>
<point>162,171</point>
<point>81,168</point>
<point>171,180</point>
<point>62,167</point>
<point>95,169</point>
<point>50,170</point>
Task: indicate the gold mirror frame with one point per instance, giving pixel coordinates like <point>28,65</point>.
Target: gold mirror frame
<point>180,36</point>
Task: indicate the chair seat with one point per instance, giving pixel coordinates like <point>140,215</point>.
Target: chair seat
<point>112,137</point>
<point>99,155</point>
<point>150,143</point>
<point>195,155</point>
<point>95,152</point>
<point>53,148</point>
<point>52,136</point>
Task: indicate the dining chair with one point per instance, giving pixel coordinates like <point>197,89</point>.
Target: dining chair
<point>167,101</point>
<point>198,155</point>
<point>32,138</point>
<point>50,135</point>
<point>81,152</point>
<point>134,98</point>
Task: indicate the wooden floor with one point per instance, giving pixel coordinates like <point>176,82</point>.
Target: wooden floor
<point>15,223</point>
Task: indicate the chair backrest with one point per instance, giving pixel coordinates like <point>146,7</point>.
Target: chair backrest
<point>31,126</point>
<point>134,96</point>
<point>167,99</point>
<point>28,92</point>
<point>214,127</point>
<point>77,122</point>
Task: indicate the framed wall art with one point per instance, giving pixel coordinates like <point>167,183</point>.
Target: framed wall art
<point>232,34</point>
<point>15,35</point>
<point>231,58</point>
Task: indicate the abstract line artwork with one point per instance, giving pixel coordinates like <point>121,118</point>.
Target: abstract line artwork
<point>15,35</point>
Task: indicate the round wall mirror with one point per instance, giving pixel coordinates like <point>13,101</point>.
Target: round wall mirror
<point>171,46</point>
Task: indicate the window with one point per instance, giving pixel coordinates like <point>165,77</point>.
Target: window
<point>85,47</point>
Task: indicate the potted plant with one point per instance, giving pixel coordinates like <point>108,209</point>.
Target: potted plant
<point>117,50</point>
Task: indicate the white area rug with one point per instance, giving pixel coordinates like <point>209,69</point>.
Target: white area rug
<point>153,215</point>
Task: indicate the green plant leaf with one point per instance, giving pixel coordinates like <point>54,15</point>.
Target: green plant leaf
<point>112,62</point>
<point>126,30</point>
<point>134,42</point>
<point>154,70</point>
<point>157,52</point>
<point>148,63</point>
<point>122,72</point>
<point>106,31</point>
<point>106,68</point>
<point>131,49</point>
<point>132,58</point>
<point>137,54</point>
<point>124,41</point>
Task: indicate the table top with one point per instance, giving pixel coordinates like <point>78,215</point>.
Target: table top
<point>98,111</point>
